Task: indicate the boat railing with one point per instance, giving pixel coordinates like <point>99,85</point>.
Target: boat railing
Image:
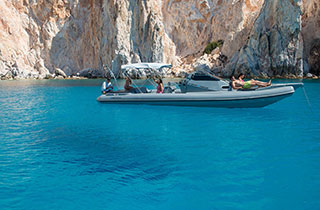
<point>106,67</point>
<point>124,73</point>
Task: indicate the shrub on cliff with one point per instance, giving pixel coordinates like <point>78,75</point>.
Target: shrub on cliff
<point>212,45</point>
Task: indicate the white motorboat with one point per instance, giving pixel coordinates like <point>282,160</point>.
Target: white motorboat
<point>199,89</point>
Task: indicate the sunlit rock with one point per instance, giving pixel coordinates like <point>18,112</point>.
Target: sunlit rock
<point>261,37</point>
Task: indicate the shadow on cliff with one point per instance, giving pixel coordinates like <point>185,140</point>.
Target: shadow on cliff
<point>77,45</point>
<point>65,44</point>
<point>144,33</point>
<point>314,57</point>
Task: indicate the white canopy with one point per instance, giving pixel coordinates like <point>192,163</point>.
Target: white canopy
<point>155,66</point>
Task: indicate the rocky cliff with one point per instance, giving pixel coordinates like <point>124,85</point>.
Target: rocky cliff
<point>311,35</point>
<point>262,38</point>
<point>275,45</point>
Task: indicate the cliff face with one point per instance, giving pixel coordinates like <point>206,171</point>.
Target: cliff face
<point>275,45</point>
<point>265,38</point>
<point>192,24</point>
<point>311,34</point>
<point>74,35</point>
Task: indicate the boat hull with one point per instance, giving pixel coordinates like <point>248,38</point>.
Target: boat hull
<point>229,99</point>
<point>294,85</point>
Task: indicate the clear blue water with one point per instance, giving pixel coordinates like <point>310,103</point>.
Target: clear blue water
<point>61,149</point>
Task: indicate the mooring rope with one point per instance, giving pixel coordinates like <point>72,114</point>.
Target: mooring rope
<point>307,98</point>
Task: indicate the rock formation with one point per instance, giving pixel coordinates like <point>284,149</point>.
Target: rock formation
<point>261,37</point>
<point>311,34</point>
<point>275,45</point>
<point>192,24</point>
<point>40,36</point>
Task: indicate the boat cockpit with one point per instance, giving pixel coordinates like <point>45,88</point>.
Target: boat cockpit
<point>202,81</point>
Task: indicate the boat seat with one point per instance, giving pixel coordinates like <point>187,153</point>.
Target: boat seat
<point>168,90</point>
<point>249,89</point>
<point>117,91</point>
<point>139,90</point>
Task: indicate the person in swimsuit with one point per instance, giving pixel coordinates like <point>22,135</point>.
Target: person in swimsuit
<point>127,85</point>
<point>235,84</point>
<point>160,85</point>
<point>252,82</point>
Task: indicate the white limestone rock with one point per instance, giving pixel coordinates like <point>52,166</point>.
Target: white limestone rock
<point>275,46</point>
<point>59,72</point>
<point>269,36</point>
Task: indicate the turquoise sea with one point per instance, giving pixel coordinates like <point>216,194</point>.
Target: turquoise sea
<point>61,149</point>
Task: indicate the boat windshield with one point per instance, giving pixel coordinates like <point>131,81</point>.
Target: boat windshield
<point>154,66</point>
<point>203,76</point>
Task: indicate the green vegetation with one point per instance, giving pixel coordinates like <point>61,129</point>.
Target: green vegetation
<point>212,45</point>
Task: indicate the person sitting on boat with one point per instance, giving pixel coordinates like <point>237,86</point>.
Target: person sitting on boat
<point>160,85</point>
<point>251,83</point>
<point>106,86</point>
<point>127,85</point>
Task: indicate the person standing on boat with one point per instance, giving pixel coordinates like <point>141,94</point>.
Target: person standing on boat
<point>252,82</point>
<point>106,86</point>
<point>160,85</point>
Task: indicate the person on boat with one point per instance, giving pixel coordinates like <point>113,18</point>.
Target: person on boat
<point>235,84</point>
<point>160,85</point>
<point>251,83</point>
<point>127,85</point>
<point>106,86</point>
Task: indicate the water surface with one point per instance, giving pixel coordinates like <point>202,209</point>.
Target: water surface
<point>61,149</point>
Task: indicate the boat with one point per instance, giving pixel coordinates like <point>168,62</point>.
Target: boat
<point>200,89</point>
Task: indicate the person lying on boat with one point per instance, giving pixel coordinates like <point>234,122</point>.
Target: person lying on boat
<point>235,84</point>
<point>106,86</point>
<point>127,85</point>
<point>251,83</point>
<point>160,85</point>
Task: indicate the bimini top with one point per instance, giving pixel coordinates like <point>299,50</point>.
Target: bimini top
<point>156,66</point>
